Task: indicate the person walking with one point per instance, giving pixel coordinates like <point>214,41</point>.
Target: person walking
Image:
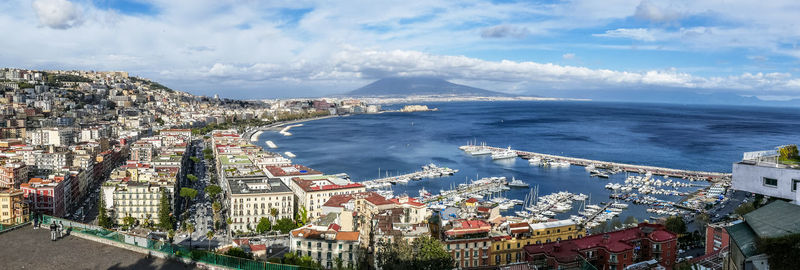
<point>53,231</point>
<point>35,221</point>
<point>60,229</point>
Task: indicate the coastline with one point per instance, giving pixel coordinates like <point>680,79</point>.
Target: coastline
<point>255,131</point>
<point>413,99</point>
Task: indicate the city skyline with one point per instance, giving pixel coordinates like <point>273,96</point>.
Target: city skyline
<point>262,50</point>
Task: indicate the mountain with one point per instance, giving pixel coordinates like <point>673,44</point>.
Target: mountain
<point>409,86</point>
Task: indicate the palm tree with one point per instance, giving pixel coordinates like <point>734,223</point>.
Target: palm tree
<point>274,213</point>
<point>190,229</point>
<point>209,235</point>
<point>229,221</point>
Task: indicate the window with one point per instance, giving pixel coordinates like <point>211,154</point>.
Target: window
<point>770,182</point>
<point>795,184</point>
<point>497,258</point>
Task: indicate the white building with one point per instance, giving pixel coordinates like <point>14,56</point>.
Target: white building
<point>759,172</point>
<point>325,244</point>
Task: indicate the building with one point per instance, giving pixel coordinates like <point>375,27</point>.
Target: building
<point>608,251</point>
<point>312,192</point>
<point>253,199</point>
<point>142,151</point>
<point>776,219</point>
<point>325,244</point>
<point>507,247</point>
<point>12,174</point>
<point>47,196</point>
<point>762,173</point>
<point>717,237</point>
<point>287,172</point>
<point>13,209</point>
<point>468,242</point>
<point>140,200</point>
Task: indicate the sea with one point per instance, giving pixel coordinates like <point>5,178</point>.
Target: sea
<point>694,137</point>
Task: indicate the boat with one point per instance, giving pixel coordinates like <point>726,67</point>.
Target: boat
<point>517,183</point>
<point>424,193</point>
<point>480,151</point>
<point>505,154</point>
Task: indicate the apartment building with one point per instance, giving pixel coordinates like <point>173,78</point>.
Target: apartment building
<point>253,199</point>
<point>507,248</point>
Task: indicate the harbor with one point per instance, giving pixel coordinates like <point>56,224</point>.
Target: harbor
<point>428,171</point>
<point>606,165</point>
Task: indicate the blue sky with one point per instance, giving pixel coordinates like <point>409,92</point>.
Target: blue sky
<point>311,48</point>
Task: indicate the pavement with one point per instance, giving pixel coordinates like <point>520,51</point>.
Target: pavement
<point>203,217</point>
<point>32,249</point>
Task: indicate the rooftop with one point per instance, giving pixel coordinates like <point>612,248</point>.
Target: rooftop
<point>372,197</point>
<point>291,170</point>
<point>257,186</point>
<point>775,219</point>
<point>617,241</point>
<point>325,183</point>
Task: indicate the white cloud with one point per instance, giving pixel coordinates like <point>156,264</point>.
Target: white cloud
<point>568,56</point>
<point>504,31</point>
<point>642,34</point>
<point>58,14</point>
<point>650,11</point>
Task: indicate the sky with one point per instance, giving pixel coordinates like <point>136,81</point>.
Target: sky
<point>266,49</point>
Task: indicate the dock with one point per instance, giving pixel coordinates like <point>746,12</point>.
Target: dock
<point>593,216</point>
<point>429,171</point>
<point>466,190</point>
<point>679,173</point>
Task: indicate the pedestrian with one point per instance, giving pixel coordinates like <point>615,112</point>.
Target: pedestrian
<point>60,229</point>
<point>35,221</point>
<point>53,231</point>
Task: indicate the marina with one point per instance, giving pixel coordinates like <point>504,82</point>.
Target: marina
<point>428,171</point>
<point>540,158</point>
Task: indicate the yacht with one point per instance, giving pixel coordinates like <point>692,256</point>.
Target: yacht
<point>424,193</point>
<point>480,151</point>
<point>517,183</point>
<point>505,154</point>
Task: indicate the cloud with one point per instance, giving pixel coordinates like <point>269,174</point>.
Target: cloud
<point>57,14</point>
<point>642,34</point>
<point>568,56</point>
<point>649,11</point>
<point>504,31</point>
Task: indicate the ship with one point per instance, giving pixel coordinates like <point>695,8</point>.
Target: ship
<point>505,154</point>
<point>517,183</point>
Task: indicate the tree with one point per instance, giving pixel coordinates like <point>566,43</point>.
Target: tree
<point>191,177</point>
<point>284,225</point>
<point>238,252</point>
<point>631,221</point>
<point>744,209</point>
<point>213,190</point>
<point>616,224</point>
<point>274,213</point>
<point>788,152</point>
<point>165,212</point>
<point>170,235</point>
<point>209,235</point>
<point>782,250</point>
<point>129,221</point>
<point>424,253</point>
<point>302,216</point>
<point>188,193</point>
<point>263,225</point>
<point>190,230</point>
<point>702,220</point>
<point>229,221</point>
<point>195,160</point>
<point>102,216</point>
<point>675,224</point>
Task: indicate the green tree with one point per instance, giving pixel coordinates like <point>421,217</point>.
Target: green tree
<point>190,230</point>
<point>744,209</point>
<point>213,190</point>
<point>284,225</point>
<point>424,253</point>
<point>782,251</point>
<point>631,221</point>
<point>788,152</point>
<point>187,194</point>
<point>170,234</point>
<point>616,224</point>
<point>238,252</point>
<point>209,235</point>
<point>191,177</point>
<point>195,160</point>
<point>675,224</point>
<point>263,225</point>
<point>102,216</point>
<point>229,221</point>
<point>274,213</point>
<point>302,216</point>
<point>129,222</point>
<point>165,212</point>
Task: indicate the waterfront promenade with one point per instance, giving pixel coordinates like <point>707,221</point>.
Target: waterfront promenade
<point>251,131</point>
<point>679,173</point>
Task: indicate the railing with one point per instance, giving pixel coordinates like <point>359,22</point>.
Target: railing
<point>170,250</point>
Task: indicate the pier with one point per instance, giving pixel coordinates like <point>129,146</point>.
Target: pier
<point>466,191</point>
<point>429,171</point>
<point>593,216</point>
<point>701,175</point>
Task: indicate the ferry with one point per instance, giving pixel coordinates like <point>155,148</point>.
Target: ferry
<point>517,183</point>
<point>505,154</point>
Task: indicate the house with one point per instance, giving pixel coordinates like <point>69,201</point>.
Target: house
<point>776,219</point>
<point>761,172</point>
